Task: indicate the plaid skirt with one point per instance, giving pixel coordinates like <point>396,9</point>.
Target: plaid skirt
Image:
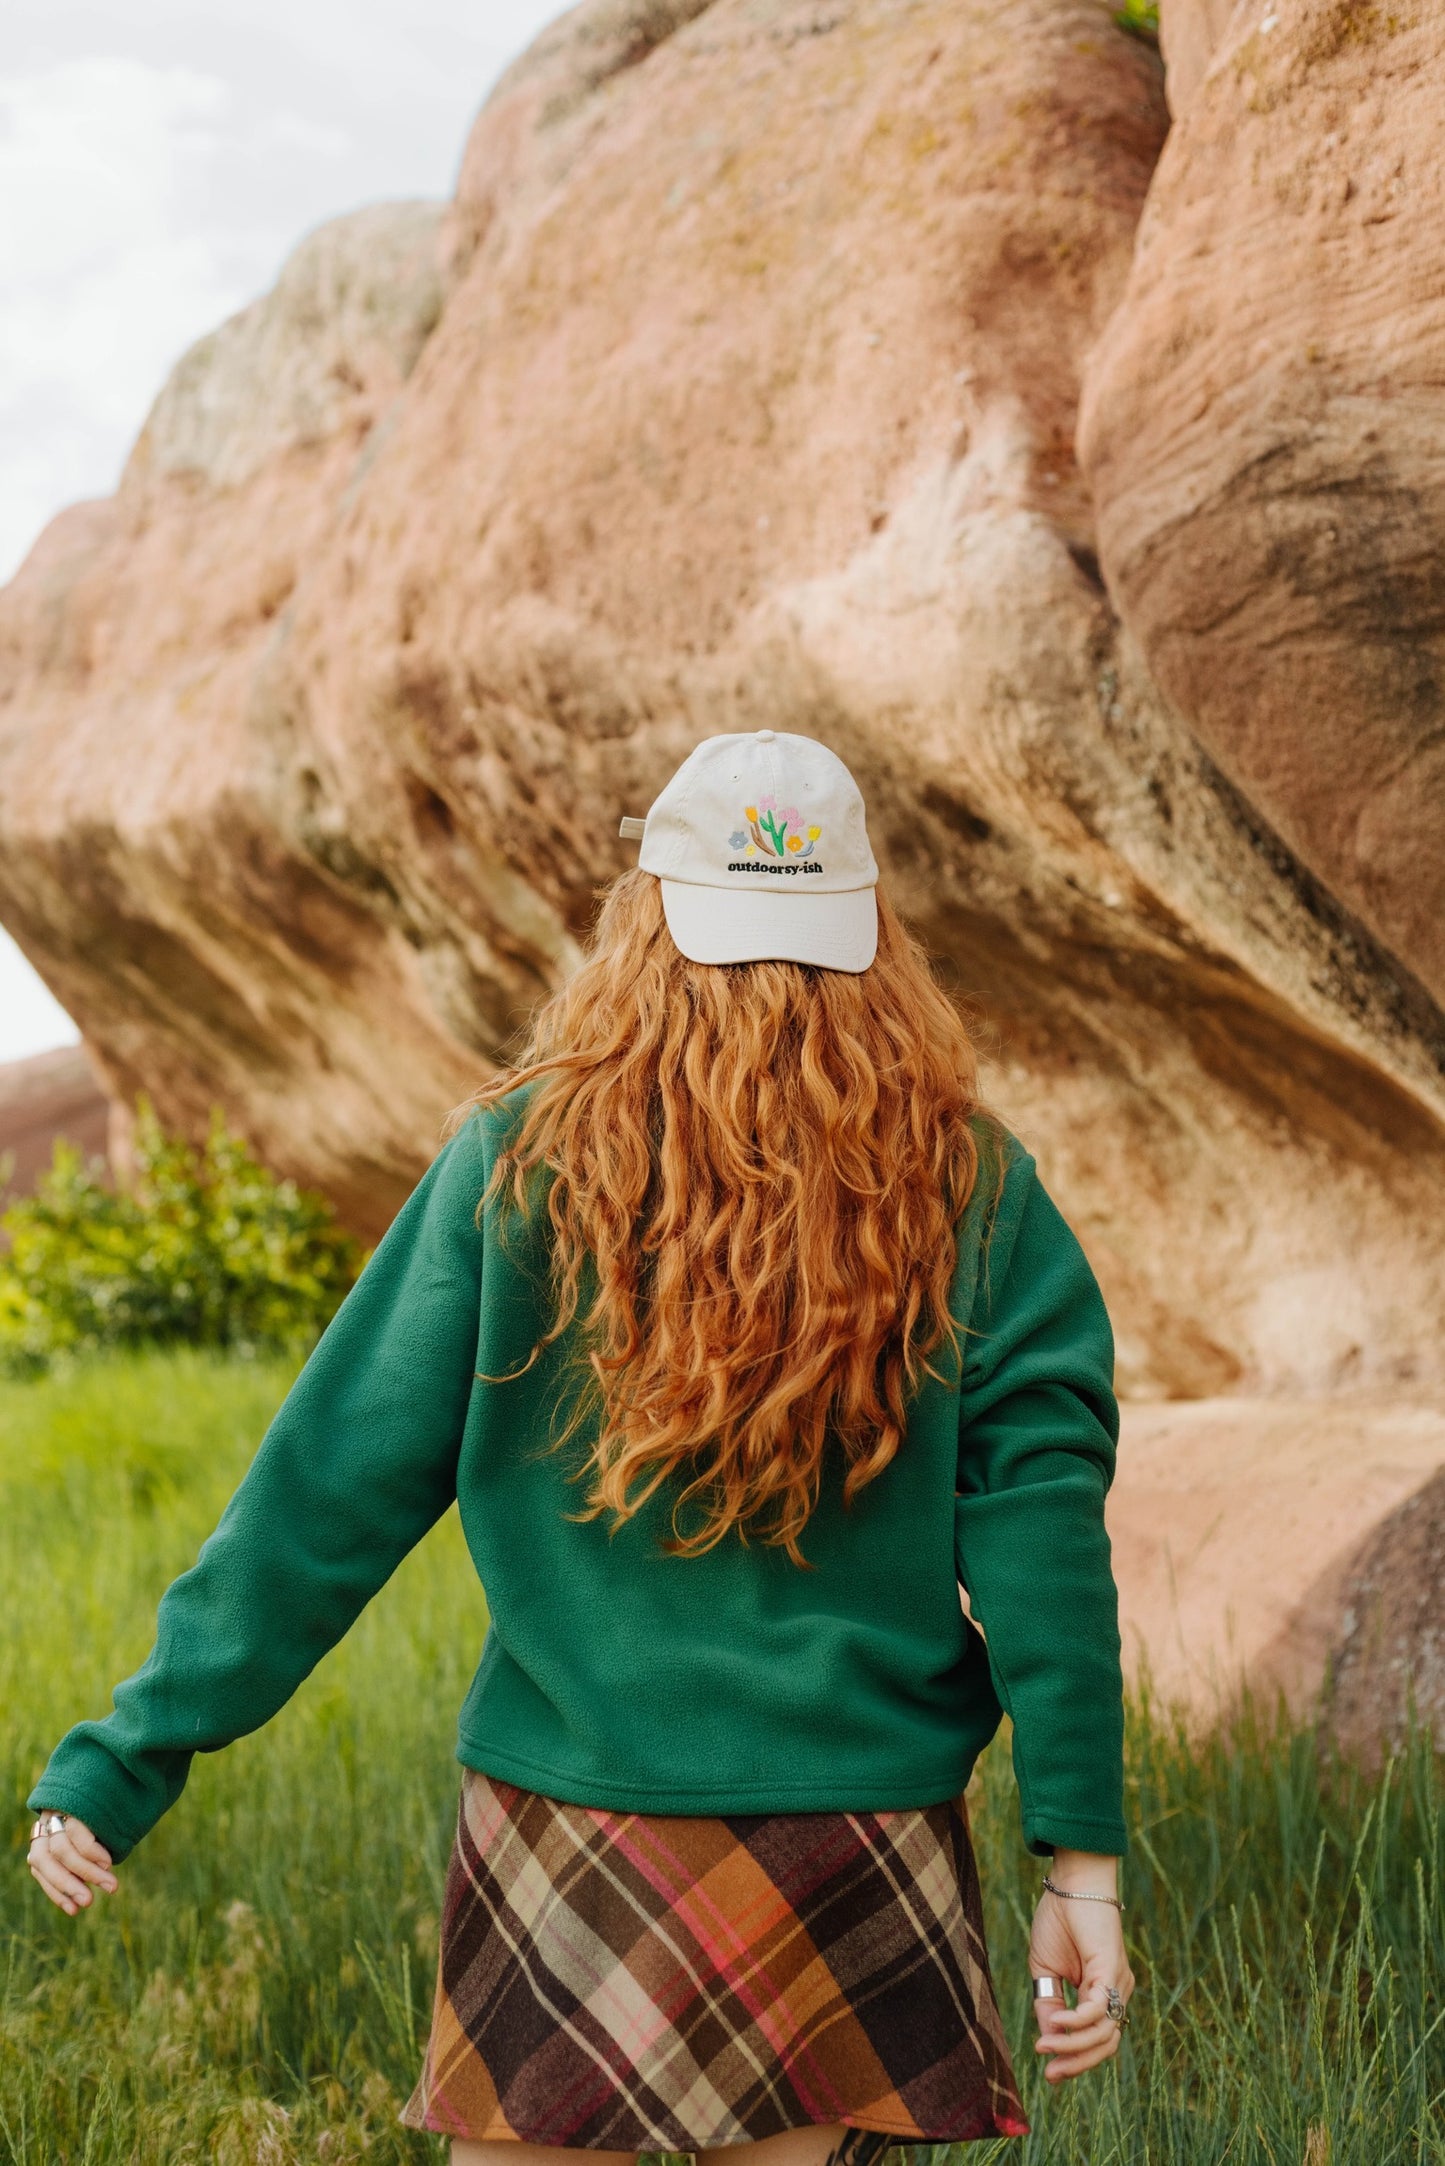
<point>637,1982</point>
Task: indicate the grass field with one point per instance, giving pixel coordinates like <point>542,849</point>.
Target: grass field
<point>258,1992</point>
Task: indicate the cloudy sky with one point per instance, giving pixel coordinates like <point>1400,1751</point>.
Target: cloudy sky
<point>158,160</point>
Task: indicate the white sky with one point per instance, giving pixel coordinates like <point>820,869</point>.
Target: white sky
<point>158,160</point>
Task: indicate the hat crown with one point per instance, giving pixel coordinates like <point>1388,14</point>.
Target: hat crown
<point>761,808</point>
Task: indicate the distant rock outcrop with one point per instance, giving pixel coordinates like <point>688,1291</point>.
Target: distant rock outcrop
<point>45,1097</point>
<point>751,402</point>
<point>1387,1661</point>
<point>1292,1544</point>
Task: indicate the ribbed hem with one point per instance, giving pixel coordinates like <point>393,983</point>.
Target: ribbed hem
<point>933,1786</point>
<point>1046,1832</point>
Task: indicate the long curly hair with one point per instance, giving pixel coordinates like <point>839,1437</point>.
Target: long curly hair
<point>753,1174</point>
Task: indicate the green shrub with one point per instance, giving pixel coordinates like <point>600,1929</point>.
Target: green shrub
<point>203,1246</point>
<point>1140,18</point>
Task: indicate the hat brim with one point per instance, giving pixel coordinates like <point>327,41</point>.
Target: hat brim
<point>727,925</point>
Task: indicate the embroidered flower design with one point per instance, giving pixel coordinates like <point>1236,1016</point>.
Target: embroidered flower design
<point>777,831</point>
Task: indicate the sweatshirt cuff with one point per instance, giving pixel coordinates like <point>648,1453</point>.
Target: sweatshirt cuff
<point>70,1797</point>
<point>1045,1832</point>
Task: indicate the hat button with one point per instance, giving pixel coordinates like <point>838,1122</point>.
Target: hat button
<point>765,737</point>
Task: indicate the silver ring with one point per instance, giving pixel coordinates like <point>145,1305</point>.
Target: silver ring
<point>1048,1989</point>
<point>49,1824</point>
<point>1114,2003</point>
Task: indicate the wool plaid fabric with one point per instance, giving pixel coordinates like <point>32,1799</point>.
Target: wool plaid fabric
<point>635,1982</point>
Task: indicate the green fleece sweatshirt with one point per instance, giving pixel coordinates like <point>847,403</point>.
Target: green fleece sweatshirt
<point>613,1674</point>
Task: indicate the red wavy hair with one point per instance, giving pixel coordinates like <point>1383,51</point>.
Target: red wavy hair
<point>754,1174</point>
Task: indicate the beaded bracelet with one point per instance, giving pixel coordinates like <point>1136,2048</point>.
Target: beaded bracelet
<point>1081,1895</point>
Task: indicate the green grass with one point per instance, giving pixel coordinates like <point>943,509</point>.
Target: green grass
<point>259,1989</point>
<point>258,1992</point>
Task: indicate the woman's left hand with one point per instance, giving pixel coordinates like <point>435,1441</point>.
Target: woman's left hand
<point>1083,1943</point>
<point>70,1865</point>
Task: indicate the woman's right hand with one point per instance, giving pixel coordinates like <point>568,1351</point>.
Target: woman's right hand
<point>1082,1942</point>
<point>70,1865</point>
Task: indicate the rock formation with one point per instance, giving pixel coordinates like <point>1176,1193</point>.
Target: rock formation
<point>751,402</point>
<point>1189,32</point>
<point>165,859</point>
<point>44,1097</point>
<point>316,358</point>
<point>1264,434</point>
<point>1293,1544</point>
<point>1387,1656</point>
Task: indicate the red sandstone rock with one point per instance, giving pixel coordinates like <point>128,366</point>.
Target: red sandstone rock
<point>166,860</point>
<point>1265,1541</point>
<point>44,1097</point>
<point>1264,431</point>
<point>1189,33</point>
<point>751,402</point>
<point>1387,1652</point>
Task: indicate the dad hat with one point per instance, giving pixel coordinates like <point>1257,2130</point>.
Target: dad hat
<point>761,848</point>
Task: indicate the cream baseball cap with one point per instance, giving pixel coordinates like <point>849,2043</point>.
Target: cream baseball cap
<point>761,847</point>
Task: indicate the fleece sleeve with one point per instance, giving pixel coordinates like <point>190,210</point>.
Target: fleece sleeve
<point>1037,1434</point>
<point>359,1462</point>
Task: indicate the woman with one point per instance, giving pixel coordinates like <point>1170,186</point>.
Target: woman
<point>743,1337</point>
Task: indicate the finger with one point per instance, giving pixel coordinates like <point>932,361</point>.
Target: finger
<point>1082,2014</point>
<point>1048,2008</point>
<point>53,1894</point>
<point>1076,2064</point>
<point>1049,2025</point>
<point>62,1887</point>
<point>1064,2047</point>
<point>1104,1972</point>
<point>84,1868</point>
<point>89,1845</point>
<point>1065,2071</point>
<point>1073,2064</point>
<point>58,1875</point>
